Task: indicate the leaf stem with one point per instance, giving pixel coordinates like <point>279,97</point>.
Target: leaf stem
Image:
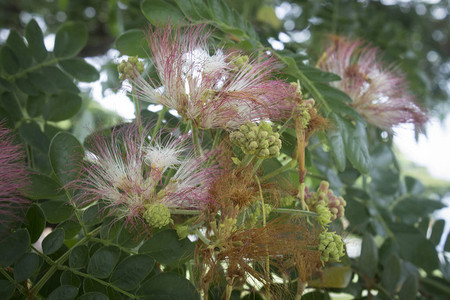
<point>295,211</point>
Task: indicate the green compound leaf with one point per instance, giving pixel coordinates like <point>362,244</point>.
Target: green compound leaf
<point>60,79</point>
<point>103,261</point>
<point>131,43</point>
<point>64,292</point>
<point>356,147</point>
<point>68,278</point>
<point>166,248</point>
<point>66,154</point>
<point>13,246</point>
<point>9,60</point>
<point>57,211</point>
<point>26,266</point>
<point>368,261</point>
<point>93,296</point>
<point>32,134</point>
<point>53,241</point>
<point>35,222</point>
<point>6,289</point>
<point>168,285</point>
<point>62,106</point>
<point>80,69</point>
<point>315,74</point>
<point>131,271</point>
<point>71,228</point>
<point>391,273</point>
<point>159,11</point>
<point>70,38</point>
<point>35,39</point>
<point>20,49</point>
<point>43,187</point>
<point>79,257</point>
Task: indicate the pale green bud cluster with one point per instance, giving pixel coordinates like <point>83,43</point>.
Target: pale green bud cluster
<point>127,68</point>
<point>257,213</point>
<point>323,214</point>
<point>325,196</point>
<point>287,201</point>
<point>239,61</point>
<point>332,247</point>
<point>182,231</point>
<point>157,215</point>
<point>258,140</point>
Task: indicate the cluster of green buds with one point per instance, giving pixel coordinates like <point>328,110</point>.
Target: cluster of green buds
<point>257,213</point>
<point>287,201</point>
<point>239,61</point>
<point>332,247</point>
<point>157,215</point>
<point>127,68</point>
<point>257,139</point>
<point>325,196</point>
<point>324,215</point>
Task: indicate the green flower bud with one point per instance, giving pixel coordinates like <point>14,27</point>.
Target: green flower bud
<point>264,144</point>
<point>323,215</point>
<point>287,201</point>
<point>129,67</point>
<point>251,135</point>
<point>264,153</point>
<point>182,231</point>
<point>263,134</point>
<point>253,145</point>
<point>332,247</point>
<point>157,215</point>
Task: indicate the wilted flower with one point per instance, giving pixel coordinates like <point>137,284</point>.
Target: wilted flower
<point>126,172</point>
<point>379,93</point>
<point>213,90</point>
<point>13,179</point>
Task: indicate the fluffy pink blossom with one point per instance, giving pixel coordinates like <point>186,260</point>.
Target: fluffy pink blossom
<point>127,172</point>
<point>379,93</point>
<point>214,90</point>
<point>13,179</point>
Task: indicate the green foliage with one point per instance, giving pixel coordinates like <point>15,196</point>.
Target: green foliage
<point>91,255</point>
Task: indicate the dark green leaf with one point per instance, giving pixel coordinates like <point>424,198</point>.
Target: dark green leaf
<point>64,292</point>
<point>447,244</point>
<point>23,83</point>
<point>166,247</point>
<point>26,266</point>
<point>110,229</point>
<point>80,69</point>
<point>53,241</point>
<point>32,134</point>
<point>436,233</point>
<point>409,288</point>
<point>188,9</point>
<point>413,185</point>
<point>131,43</point>
<point>103,261</point>
<point>391,273</point>
<point>43,187</point>
<point>68,278</point>
<point>9,60</point>
<point>66,154</point>
<point>414,247</point>
<point>70,38</point>
<point>71,228</point>
<point>355,140</point>
<point>90,285</point>
<point>6,289</point>
<point>35,39</point>
<point>56,211</point>
<point>316,296</point>
<point>60,79</point>
<point>368,260</point>
<point>93,215</point>
<point>315,74</point>
<point>170,285</point>
<point>41,83</point>
<point>20,49</point>
<point>409,209</point>
<point>6,85</point>
<point>35,104</point>
<point>129,237</point>
<point>131,271</point>
<point>79,257</point>
<point>62,106</point>
<point>159,11</point>
<point>35,222</point>
<point>13,246</point>
<point>337,148</point>
<point>93,296</point>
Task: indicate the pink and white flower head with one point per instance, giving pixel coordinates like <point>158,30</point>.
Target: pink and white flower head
<point>13,179</point>
<point>379,93</point>
<point>220,90</point>
<point>126,172</point>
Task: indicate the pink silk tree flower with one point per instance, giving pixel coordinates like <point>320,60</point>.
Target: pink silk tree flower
<point>220,90</point>
<point>379,93</point>
<point>13,179</point>
<point>127,170</point>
